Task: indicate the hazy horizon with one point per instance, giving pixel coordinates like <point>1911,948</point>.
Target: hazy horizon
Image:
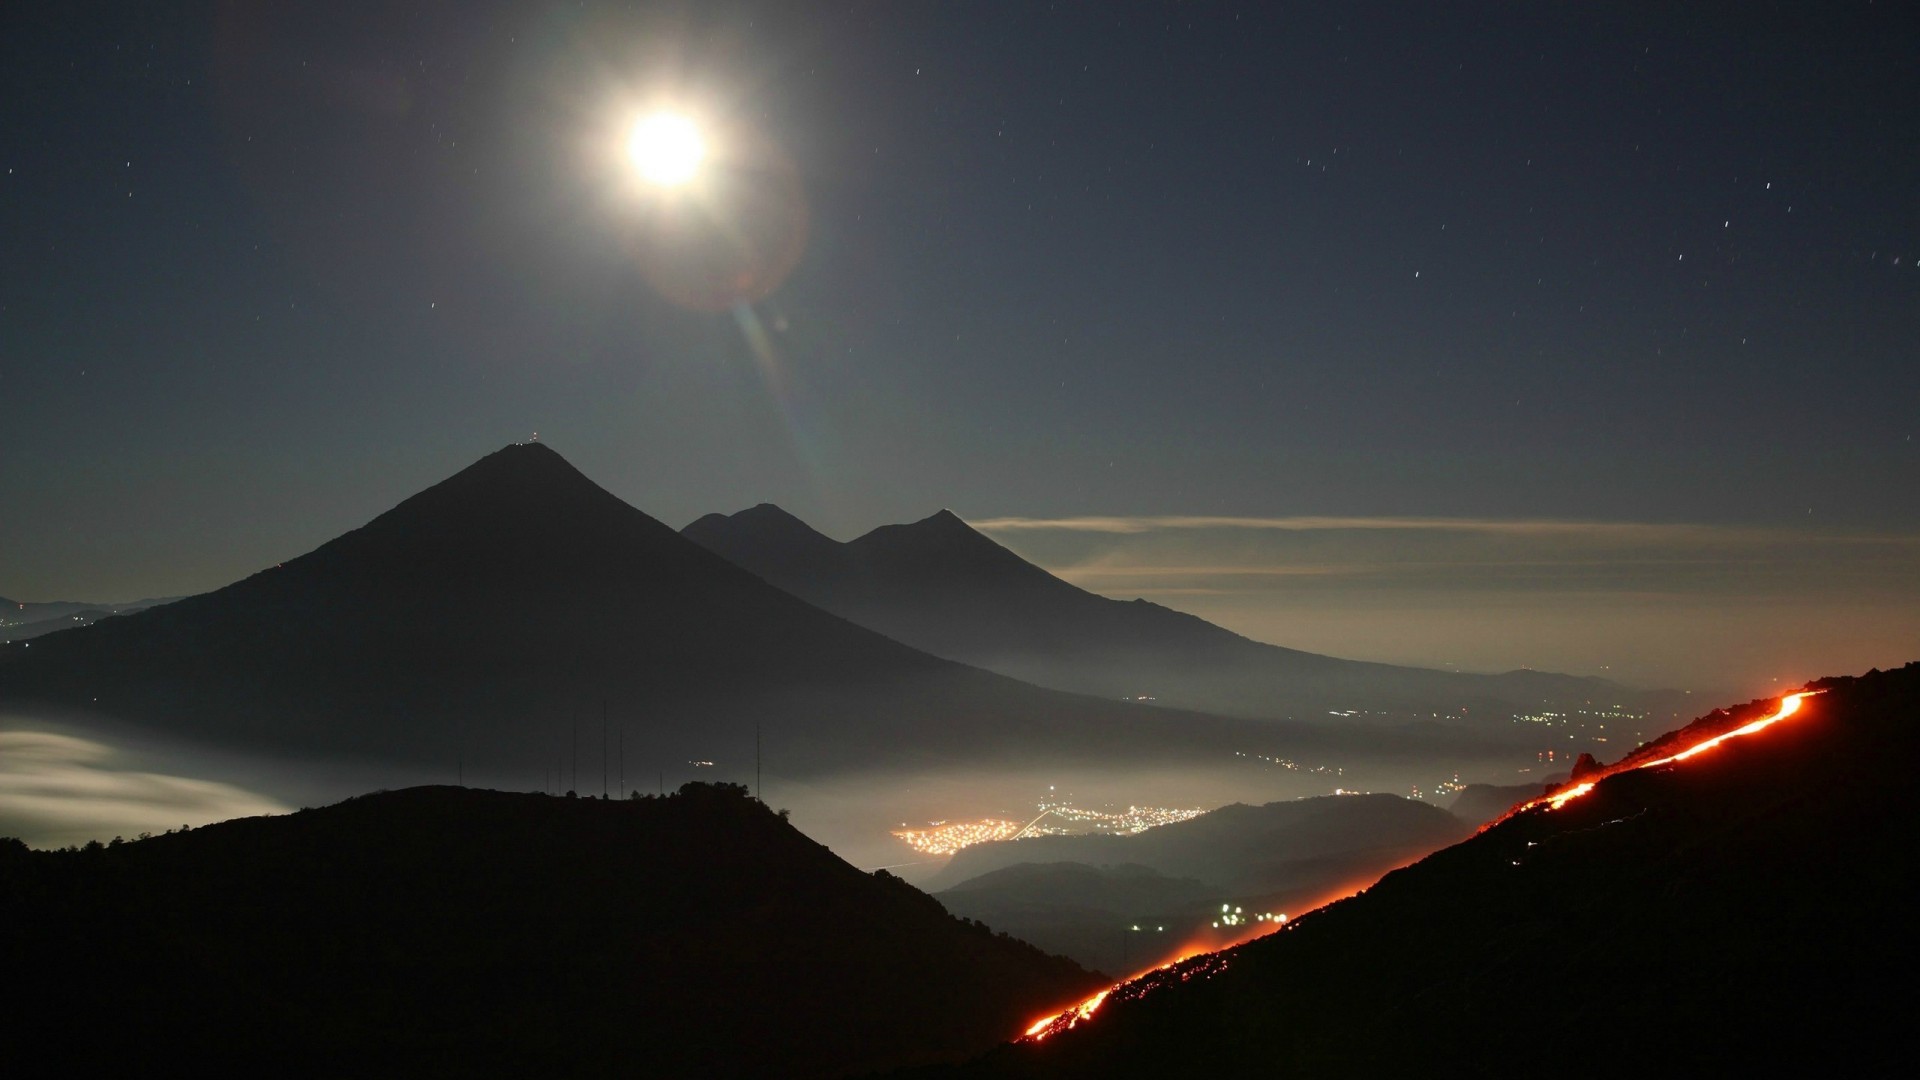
<point>1717,609</point>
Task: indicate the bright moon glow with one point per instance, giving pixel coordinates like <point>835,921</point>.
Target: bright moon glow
<point>666,148</point>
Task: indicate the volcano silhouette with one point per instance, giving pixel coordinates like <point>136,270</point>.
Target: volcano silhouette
<point>490,611</point>
<point>940,585</point>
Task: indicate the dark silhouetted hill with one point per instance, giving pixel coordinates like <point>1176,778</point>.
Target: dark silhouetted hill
<point>448,931</point>
<point>1480,803</point>
<point>1114,890</point>
<point>939,585</point>
<point>1093,914</point>
<point>486,614</point>
<point>1748,909</point>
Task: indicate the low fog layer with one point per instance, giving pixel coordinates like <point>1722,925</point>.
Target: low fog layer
<point>66,783</point>
<point>58,789</point>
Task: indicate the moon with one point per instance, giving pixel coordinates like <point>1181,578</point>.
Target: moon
<point>713,212</point>
<point>666,148</point>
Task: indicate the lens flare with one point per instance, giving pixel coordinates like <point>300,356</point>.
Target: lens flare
<point>666,148</point>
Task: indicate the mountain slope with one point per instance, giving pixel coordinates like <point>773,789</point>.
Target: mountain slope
<point>484,615</point>
<point>1745,908</point>
<point>939,585</point>
<point>450,931</point>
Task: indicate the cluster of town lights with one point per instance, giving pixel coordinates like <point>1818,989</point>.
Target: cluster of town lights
<point>948,837</point>
<point>1135,819</point>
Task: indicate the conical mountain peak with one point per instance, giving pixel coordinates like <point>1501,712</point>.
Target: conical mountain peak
<point>529,466</point>
<point>945,519</point>
<point>762,537</point>
<point>767,516</point>
<point>762,519</point>
<point>520,504</point>
<point>945,528</point>
<point>942,551</point>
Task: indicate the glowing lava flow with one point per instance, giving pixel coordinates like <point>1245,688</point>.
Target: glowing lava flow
<point>1199,958</point>
<point>1211,960</point>
<point>1209,957</point>
<point>1193,962</point>
<point>1083,1011</point>
<point>1788,706</point>
<point>1070,1018</point>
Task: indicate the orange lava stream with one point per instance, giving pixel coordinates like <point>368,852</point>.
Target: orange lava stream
<point>1082,1011</point>
<point>1561,798</point>
<point>1069,1018</point>
<point>1788,706</point>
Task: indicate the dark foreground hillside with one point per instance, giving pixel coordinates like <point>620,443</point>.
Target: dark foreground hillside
<point>1750,907</point>
<point>459,932</point>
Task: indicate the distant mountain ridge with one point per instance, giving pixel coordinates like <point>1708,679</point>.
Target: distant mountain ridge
<point>21,621</point>
<point>484,615</point>
<point>939,585</point>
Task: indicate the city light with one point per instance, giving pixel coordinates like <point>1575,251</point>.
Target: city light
<point>945,838</point>
<point>1053,819</point>
<point>1134,819</point>
<point>1294,766</point>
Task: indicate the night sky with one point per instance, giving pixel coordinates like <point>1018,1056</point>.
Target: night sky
<point>1630,300</point>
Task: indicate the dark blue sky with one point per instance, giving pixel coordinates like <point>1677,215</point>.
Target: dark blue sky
<point>270,268</point>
